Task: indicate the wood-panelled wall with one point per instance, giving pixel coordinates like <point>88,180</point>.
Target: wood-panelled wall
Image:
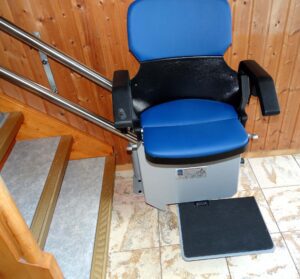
<point>94,32</point>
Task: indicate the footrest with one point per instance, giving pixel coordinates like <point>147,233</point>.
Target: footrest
<point>220,228</point>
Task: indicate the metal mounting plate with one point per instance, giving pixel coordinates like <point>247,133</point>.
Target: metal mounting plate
<point>47,68</point>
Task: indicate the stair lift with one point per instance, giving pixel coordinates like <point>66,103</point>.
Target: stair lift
<point>187,108</point>
<point>184,114</point>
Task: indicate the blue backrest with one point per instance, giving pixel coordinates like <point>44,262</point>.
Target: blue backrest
<point>160,29</point>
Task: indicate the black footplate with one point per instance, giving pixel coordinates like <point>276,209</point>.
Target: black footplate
<point>220,228</point>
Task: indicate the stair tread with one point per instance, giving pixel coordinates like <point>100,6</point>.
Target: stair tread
<point>26,171</point>
<point>72,232</point>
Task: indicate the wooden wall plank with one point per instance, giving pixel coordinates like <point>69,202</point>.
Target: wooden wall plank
<point>284,72</point>
<point>94,32</point>
<point>273,46</point>
<point>292,108</point>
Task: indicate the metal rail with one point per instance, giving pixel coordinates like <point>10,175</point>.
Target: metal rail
<point>46,94</point>
<point>20,34</point>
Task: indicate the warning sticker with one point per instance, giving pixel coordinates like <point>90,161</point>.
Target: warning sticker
<point>188,173</point>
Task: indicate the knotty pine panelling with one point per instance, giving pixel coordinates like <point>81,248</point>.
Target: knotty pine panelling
<point>94,32</point>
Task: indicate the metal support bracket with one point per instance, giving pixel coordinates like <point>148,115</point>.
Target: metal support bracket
<point>138,187</point>
<point>47,68</point>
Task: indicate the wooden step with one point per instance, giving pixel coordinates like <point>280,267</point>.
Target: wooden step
<point>44,211</point>
<point>8,132</point>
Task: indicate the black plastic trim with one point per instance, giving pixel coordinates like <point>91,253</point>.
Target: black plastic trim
<point>244,84</point>
<point>165,80</point>
<point>122,100</point>
<point>196,160</point>
<point>262,86</point>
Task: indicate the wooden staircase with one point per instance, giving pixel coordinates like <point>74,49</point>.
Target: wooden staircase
<point>21,257</point>
<point>56,208</point>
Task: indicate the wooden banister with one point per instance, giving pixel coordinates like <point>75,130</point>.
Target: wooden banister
<point>19,252</point>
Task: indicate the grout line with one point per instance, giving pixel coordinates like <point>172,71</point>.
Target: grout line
<point>256,177</point>
<point>280,232</point>
<point>249,164</point>
<point>271,212</point>
<point>287,247</point>
<point>276,187</point>
<point>230,276</point>
<point>160,246</point>
<point>293,231</point>
<point>298,163</point>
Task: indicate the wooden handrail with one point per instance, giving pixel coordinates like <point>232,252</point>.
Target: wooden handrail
<point>16,238</point>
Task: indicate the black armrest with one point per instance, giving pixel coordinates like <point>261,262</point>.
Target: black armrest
<point>122,100</point>
<point>244,84</point>
<point>262,86</point>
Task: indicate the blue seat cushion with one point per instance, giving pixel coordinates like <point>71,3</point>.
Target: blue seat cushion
<point>192,130</point>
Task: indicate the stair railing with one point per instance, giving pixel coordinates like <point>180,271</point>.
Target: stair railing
<point>29,39</point>
<point>20,34</point>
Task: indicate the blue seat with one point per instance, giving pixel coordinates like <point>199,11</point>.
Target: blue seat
<point>185,102</point>
<point>186,106</point>
<point>190,129</point>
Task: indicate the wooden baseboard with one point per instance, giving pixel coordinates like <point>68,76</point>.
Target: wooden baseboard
<point>268,153</point>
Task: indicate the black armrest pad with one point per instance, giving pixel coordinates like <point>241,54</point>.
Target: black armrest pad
<point>263,86</point>
<point>122,101</point>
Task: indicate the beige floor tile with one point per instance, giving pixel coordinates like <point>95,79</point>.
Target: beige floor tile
<point>263,206</point>
<point>168,226</point>
<point>285,205</point>
<point>124,188</point>
<point>292,240</point>
<point>135,264</point>
<point>276,171</point>
<point>134,226</point>
<point>173,266</point>
<point>247,179</point>
<point>276,265</point>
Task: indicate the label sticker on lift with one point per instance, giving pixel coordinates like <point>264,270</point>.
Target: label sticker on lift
<point>187,173</point>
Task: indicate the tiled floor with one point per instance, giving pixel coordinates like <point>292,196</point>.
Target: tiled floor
<point>144,242</point>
